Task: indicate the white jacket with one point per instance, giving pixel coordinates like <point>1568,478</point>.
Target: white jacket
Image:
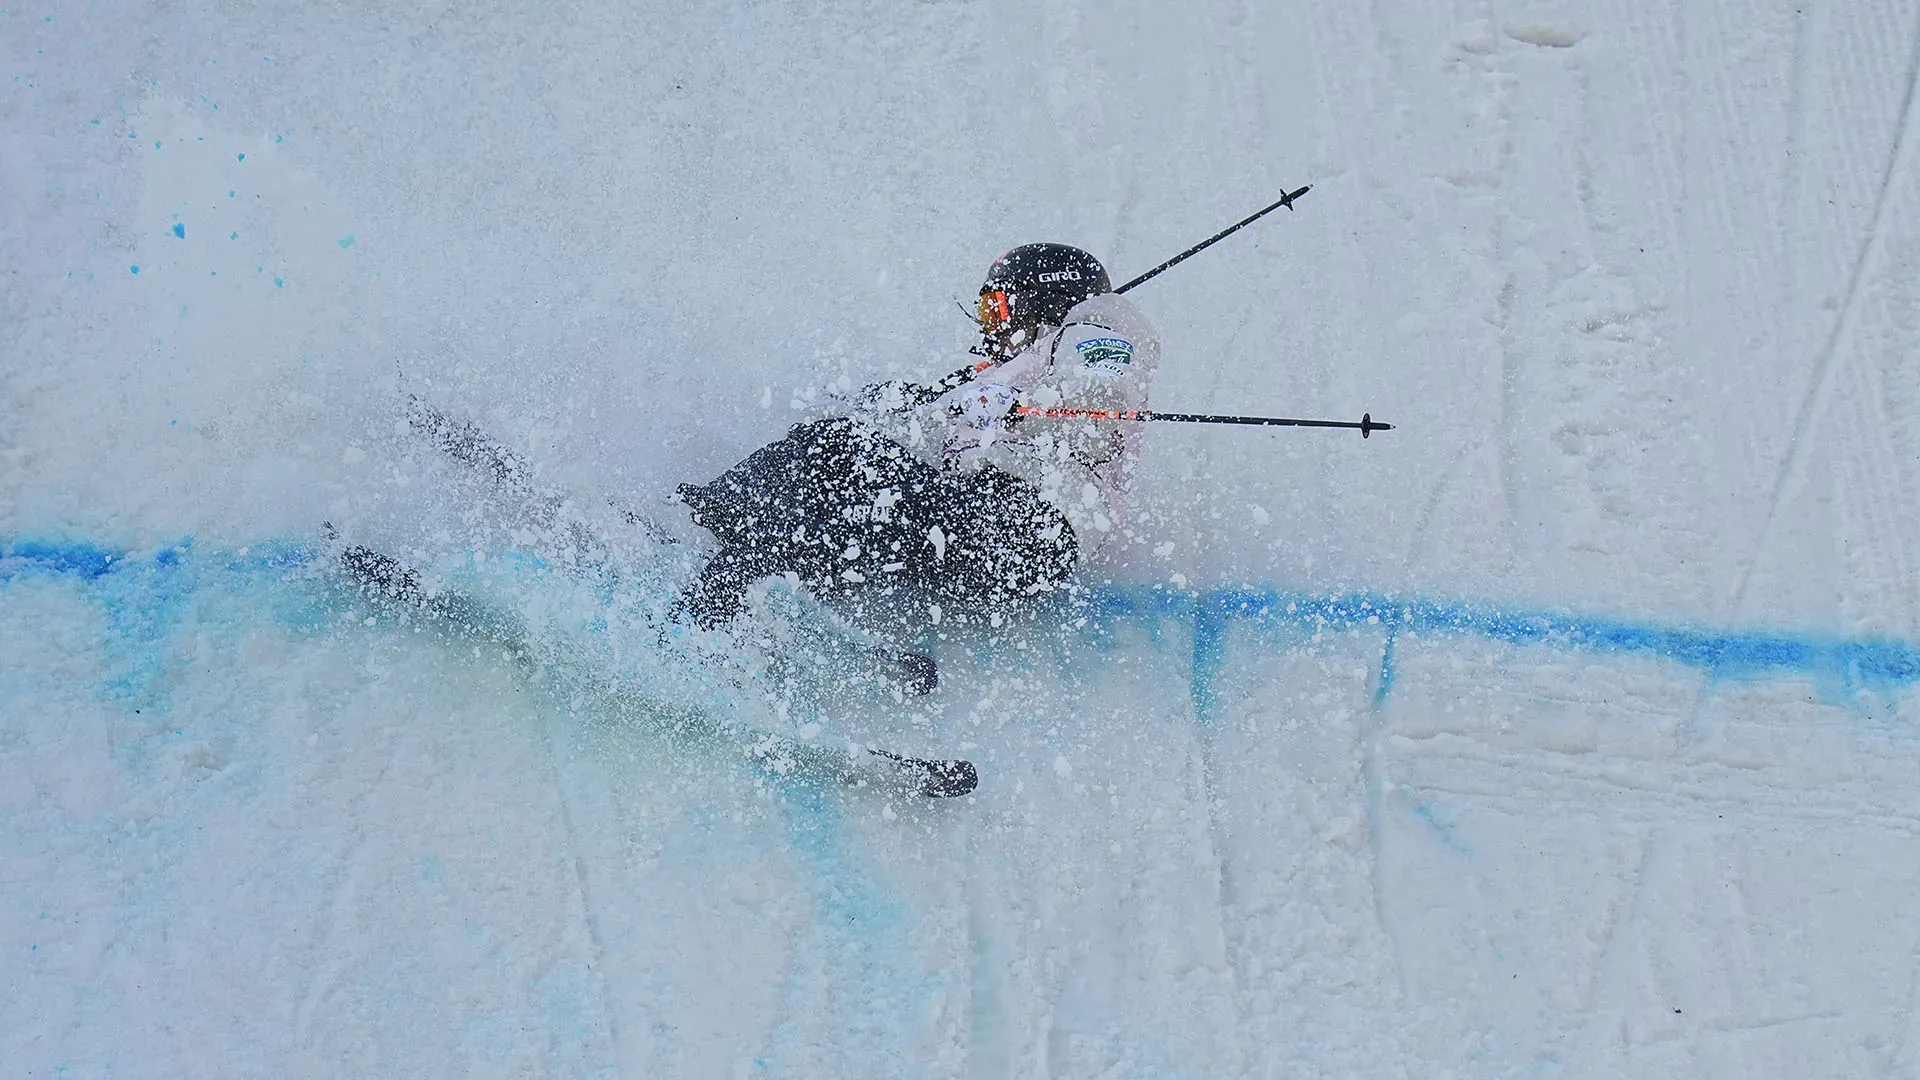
<point>1102,357</point>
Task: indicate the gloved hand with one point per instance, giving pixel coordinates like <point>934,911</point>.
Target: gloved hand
<point>984,405</point>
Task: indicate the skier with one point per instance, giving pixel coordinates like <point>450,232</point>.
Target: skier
<point>943,494</point>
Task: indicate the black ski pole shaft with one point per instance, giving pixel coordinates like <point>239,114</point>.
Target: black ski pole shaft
<point>1366,425</point>
<point>921,393</point>
<point>1285,200</point>
<point>970,372</point>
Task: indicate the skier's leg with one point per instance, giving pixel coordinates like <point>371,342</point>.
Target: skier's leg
<point>826,489</point>
<point>1006,543</point>
<point>774,489</point>
<point>855,517</point>
<point>720,592</point>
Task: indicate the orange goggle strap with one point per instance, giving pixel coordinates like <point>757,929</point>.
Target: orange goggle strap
<point>995,312</point>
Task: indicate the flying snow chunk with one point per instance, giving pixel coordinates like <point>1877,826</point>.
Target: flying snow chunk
<point>1062,768</point>
<point>1551,35</point>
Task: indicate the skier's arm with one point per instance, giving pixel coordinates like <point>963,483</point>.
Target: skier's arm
<point>1102,360</point>
<point>899,394</point>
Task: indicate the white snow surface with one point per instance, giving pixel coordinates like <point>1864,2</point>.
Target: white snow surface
<point>1567,730</point>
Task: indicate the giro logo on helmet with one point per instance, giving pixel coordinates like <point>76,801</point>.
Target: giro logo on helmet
<point>1059,275</point>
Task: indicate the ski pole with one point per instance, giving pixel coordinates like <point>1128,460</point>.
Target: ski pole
<point>1366,425</point>
<point>1285,200</point>
<point>921,393</point>
<point>967,374</point>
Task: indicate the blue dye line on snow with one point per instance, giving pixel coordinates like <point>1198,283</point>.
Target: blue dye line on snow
<point>1722,654</point>
<point>145,601</point>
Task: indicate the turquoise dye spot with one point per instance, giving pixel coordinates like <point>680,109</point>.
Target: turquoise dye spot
<point>242,157</point>
<point>95,123</point>
<point>156,144</point>
<point>133,269</point>
<point>179,230</point>
<point>346,241</point>
<point>279,284</point>
<point>233,236</point>
<point>229,194</point>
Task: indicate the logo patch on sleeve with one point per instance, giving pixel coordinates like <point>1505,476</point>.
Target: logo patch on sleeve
<point>1108,355</point>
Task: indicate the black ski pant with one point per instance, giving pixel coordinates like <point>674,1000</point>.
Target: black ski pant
<point>864,524</point>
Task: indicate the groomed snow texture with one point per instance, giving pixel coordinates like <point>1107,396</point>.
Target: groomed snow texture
<point>1567,730</point>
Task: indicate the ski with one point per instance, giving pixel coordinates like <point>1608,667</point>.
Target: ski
<point>392,586</point>
<point>867,766</point>
<point>939,779</point>
<point>463,441</point>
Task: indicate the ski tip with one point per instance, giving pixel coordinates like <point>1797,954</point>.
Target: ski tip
<point>938,779</point>
<point>919,675</point>
<point>949,779</point>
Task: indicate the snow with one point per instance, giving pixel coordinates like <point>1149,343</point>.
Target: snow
<point>1567,729</point>
<point>1549,35</point>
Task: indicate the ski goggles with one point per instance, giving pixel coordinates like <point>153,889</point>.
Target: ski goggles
<point>995,311</point>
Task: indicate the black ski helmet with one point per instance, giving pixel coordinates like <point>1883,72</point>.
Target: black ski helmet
<point>1035,285</point>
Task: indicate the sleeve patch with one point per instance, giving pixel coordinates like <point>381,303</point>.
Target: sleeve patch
<point>1106,355</point>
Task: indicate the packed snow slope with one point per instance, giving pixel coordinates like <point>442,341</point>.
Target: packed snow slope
<point>1567,730</point>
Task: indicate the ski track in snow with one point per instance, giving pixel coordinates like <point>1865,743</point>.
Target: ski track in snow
<point>1638,283</point>
<point>1868,416</point>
